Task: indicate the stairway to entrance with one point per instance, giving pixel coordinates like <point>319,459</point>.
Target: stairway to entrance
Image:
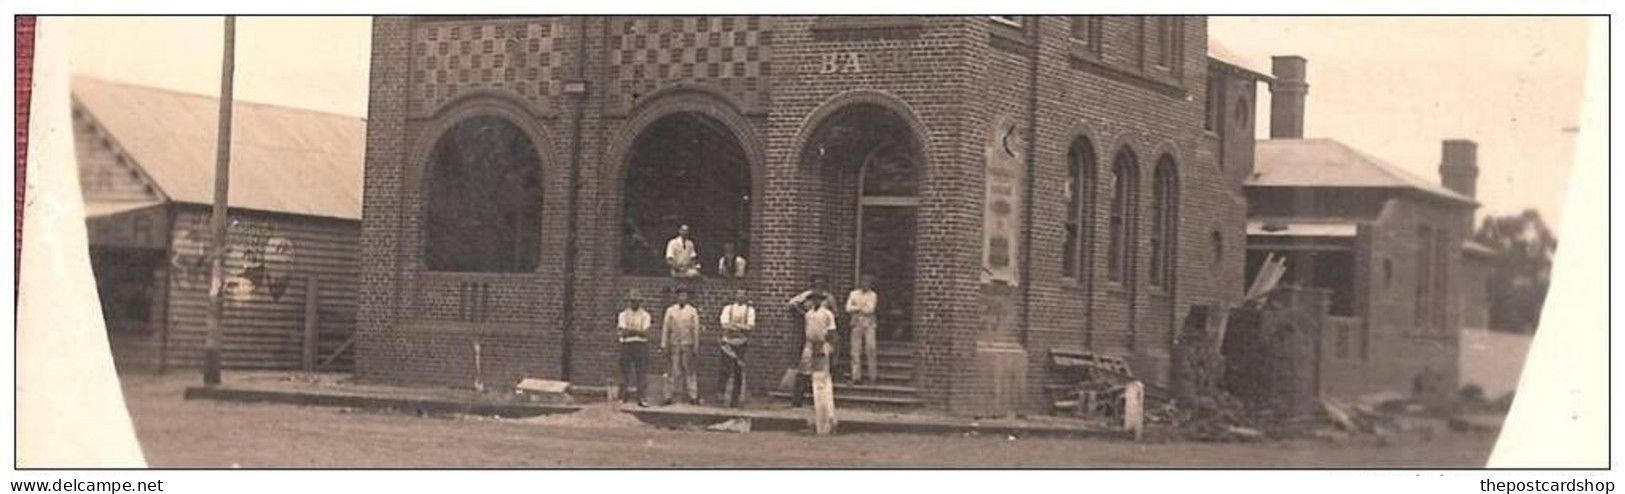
<point>894,390</point>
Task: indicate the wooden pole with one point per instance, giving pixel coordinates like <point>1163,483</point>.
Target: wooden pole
<point>312,328</point>
<point>212,342</point>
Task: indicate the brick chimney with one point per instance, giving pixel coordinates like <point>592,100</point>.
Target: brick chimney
<point>1458,167</point>
<point>1286,96</point>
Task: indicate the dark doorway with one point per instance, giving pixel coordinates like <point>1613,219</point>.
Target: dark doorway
<point>876,155</point>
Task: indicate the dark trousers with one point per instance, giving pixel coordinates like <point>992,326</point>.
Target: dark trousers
<point>634,365</point>
<point>732,372</point>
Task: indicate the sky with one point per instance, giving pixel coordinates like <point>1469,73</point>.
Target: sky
<point>1392,87</point>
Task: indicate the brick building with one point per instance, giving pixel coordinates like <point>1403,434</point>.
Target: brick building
<point>146,168</point>
<point>1014,184</point>
<point>1392,248</point>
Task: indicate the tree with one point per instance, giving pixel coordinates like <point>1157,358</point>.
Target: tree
<point>1521,270</point>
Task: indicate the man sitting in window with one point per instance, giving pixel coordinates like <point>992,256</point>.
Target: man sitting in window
<point>680,255</point>
<point>731,265</point>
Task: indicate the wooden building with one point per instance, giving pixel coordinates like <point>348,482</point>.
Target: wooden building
<point>146,165</point>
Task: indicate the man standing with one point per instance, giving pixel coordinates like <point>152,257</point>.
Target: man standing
<point>680,340</point>
<point>680,255</point>
<point>860,303</point>
<point>799,306</point>
<point>738,319</point>
<point>632,330</point>
<point>815,351</point>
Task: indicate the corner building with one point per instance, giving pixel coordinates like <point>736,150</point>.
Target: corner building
<point>1014,184</point>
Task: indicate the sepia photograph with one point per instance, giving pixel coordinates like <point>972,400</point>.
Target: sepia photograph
<point>795,241</point>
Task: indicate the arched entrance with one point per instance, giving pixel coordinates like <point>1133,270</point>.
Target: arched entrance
<point>872,163</point>
<point>685,168</point>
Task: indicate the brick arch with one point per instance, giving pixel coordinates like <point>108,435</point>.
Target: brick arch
<point>484,103</point>
<point>846,99</point>
<point>476,104</point>
<point>696,98</point>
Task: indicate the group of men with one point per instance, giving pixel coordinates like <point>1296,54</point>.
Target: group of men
<point>681,330</point>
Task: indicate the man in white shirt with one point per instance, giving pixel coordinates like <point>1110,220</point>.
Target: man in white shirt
<point>632,330</point>
<point>730,265</point>
<point>860,303</point>
<point>680,255</point>
<point>680,340</point>
<point>820,326</point>
<point>738,319</point>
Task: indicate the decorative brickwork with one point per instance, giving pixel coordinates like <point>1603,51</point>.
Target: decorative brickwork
<point>774,83</point>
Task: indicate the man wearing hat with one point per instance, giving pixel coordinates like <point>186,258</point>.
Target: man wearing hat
<point>632,330</point>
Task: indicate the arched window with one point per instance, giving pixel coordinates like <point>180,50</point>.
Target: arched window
<point>484,206</point>
<point>685,169</point>
<point>1125,173</point>
<point>1164,221</point>
<point>1079,185</point>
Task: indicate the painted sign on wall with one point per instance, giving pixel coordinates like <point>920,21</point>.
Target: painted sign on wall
<point>258,261</point>
<point>1001,213</point>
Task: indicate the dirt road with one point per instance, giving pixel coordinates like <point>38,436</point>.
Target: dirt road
<point>178,433</point>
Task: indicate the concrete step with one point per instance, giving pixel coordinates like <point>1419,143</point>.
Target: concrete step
<point>865,401</point>
<point>876,389</point>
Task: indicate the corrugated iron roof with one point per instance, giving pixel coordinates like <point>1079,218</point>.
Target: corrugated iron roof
<point>98,209</point>
<point>1329,163</point>
<point>282,159</point>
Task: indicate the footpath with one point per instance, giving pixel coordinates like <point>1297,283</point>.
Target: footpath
<point>336,390</point>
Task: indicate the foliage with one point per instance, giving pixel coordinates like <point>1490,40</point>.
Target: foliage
<point>1520,270</point>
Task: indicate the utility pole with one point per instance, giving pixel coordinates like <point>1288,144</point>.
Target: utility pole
<point>217,222</point>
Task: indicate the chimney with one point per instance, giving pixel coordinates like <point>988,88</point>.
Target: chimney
<point>1458,167</point>
<point>1286,96</point>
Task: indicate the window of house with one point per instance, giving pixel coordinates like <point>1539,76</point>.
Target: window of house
<point>1424,278</point>
<point>1164,221</point>
<point>1080,169</point>
<point>1119,250</point>
<point>1214,110</point>
<point>1086,30</point>
<point>1441,279</point>
<point>1217,240</point>
<point>684,169</point>
<point>484,199</point>
<point>1168,41</point>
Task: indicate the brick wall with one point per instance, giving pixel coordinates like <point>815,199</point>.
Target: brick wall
<point>1387,350</point>
<point>770,82</point>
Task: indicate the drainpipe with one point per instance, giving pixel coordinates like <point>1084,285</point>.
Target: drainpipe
<point>578,88</point>
<point>1036,38</point>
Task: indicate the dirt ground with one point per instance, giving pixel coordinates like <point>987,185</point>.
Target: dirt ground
<point>179,433</point>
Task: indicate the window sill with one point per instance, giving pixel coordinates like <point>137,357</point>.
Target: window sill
<point>1009,37</point>
<point>1090,63</point>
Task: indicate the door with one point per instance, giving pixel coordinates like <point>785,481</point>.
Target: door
<point>886,252</point>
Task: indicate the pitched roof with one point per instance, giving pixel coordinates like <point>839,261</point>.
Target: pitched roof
<point>1329,163</point>
<point>1223,54</point>
<point>282,159</point>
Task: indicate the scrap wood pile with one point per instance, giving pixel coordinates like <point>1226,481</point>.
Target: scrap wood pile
<point>1201,408</point>
<point>1088,384</point>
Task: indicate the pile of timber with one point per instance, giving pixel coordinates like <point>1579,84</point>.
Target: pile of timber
<point>1091,385</point>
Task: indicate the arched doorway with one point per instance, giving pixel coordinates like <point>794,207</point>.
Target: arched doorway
<point>685,169</point>
<point>872,162</point>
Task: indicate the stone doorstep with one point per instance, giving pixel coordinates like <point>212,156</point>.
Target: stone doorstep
<point>676,416</point>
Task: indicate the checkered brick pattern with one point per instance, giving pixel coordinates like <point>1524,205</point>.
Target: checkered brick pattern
<point>728,52</point>
<point>517,57</point>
